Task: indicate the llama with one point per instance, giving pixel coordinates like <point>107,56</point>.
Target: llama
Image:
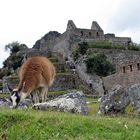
<point>36,75</point>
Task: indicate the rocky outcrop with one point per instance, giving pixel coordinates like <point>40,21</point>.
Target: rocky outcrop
<point>46,40</point>
<point>35,52</point>
<point>7,103</point>
<point>115,101</point>
<point>73,102</point>
<point>134,95</point>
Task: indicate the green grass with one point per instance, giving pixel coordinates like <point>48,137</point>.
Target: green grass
<point>59,92</point>
<point>40,125</point>
<point>101,44</point>
<point>63,74</point>
<point>4,95</point>
<point>53,59</point>
<point>28,124</point>
<point>109,45</point>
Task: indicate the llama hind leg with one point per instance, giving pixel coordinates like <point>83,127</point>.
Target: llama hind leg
<point>44,94</point>
<point>35,97</point>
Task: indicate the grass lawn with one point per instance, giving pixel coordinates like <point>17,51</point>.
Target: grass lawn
<point>31,124</point>
<point>28,124</point>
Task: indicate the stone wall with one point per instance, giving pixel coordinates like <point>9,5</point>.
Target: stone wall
<point>88,34</point>
<point>126,79</point>
<point>35,52</point>
<point>60,68</point>
<point>120,58</point>
<point>117,40</point>
<point>127,65</point>
<point>62,82</point>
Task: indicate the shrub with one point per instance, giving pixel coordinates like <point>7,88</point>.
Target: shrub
<point>4,72</point>
<point>134,47</point>
<point>15,47</point>
<point>17,52</point>
<point>83,47</point>
<point>98,63</point>
<point>13,61</point>
<point>75,54</point>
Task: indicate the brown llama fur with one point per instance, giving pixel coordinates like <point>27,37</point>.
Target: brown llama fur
<point>36,75</point>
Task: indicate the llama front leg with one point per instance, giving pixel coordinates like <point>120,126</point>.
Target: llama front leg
<point>23,96</point>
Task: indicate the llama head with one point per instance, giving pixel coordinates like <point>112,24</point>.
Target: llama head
<point>14,98</point>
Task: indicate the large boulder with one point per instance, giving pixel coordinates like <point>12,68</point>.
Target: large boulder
<point>73,102</point>
<point>115,101</point>
<point>134,95</point>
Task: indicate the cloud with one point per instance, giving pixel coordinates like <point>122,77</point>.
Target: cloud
<point>126,16</point>
<point>126,21</point>
<point>3,55</point>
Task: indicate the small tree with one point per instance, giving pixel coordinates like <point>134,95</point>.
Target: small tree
<point>13,61</point>
<point>98,63</point>
<point>17,52</point>
<point>83,47</point>
<point>15,47</point>
<point>81,50</point>
<point>3,72</point>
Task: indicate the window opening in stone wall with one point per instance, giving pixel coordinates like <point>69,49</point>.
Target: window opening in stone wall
<point>97,34</point>
<point>124,69</point>
<point>90,34</point>
<point>82,33</point>
<point>131,68</point>
<point>138,66</point>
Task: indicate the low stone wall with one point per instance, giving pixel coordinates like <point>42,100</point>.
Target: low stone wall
<point>118,56</point>
<point>59,67</point>
<point>64,82</point>
<point>124,79</point>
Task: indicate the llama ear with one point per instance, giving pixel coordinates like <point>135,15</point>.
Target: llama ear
<point>9,88</point>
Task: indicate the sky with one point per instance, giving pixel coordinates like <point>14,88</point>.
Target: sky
<point>26,21</point>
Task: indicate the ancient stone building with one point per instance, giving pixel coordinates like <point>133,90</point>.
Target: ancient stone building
<point>95,33</point>
<point>127,65</point>
<point>73,35</point>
